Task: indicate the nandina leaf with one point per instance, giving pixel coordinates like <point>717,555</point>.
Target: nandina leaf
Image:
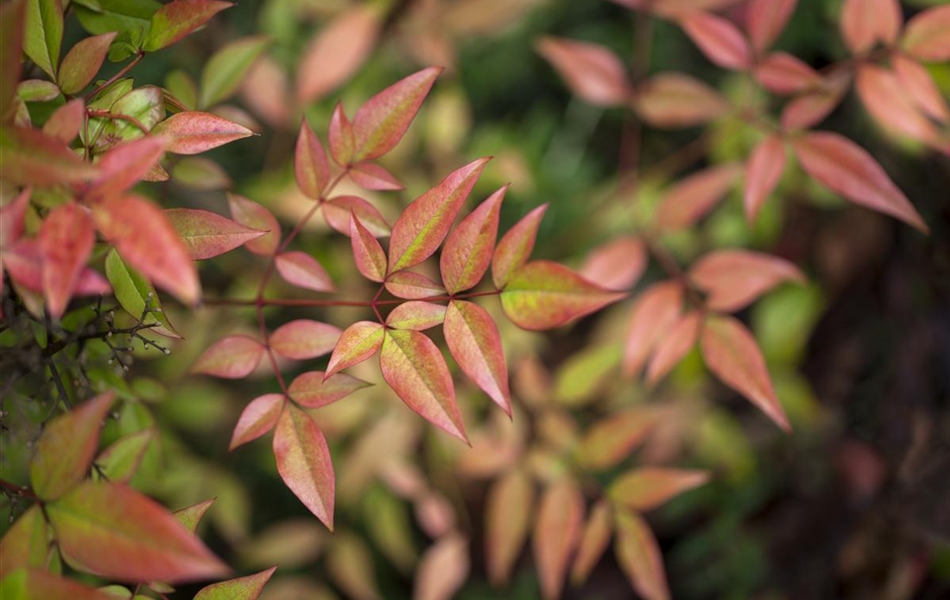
<point>336,52</point>
<point>302,339</point>
<point>12,218</point>
<point>866,22</point>
<point>735,278</point>
<point>303,461</point>
<point>313,390</point>
<point>66,121</point>
<point>31,157</point>
<point>653,313</point>
<point>66,240</point>
<point>810,109</point>
<point>121,460</point>
<point>233,357</point>
<point>135,540</point>
<point>765,20</point>
<point>414,368</point>
<point>420,229</point>
<point>891,104</point>
<point>849,170</point>
<point>358,342</point>
<point>370,176</point>
<point>147,241</point>
<point>349,564</point>
<point>508,508</point>
<point>44,33</point>
<point>37,90</point>
<point>678,100</point>
<point>782,73</point>
<point>475,344</point>
<point>515,246</point>
<point>190,516</point>
<point>639,556</point>
<point>341,138</point>
<point>311,167</point>
<point>302,270</point>
<point>920,87</point>
<point>25,543</point>
<point>242,588</point>
<point>412,286</point>
<point>254,216</point>
<point>37,584</point>
<point>83,61</point>
<point>193,132</point>
<point>442,569</point>
<point>733,356</point>
<point>557,530</point>
<point>591,71</point>
<point>718,38</point>
<point>206,234</point>
<point>368,254</point>
<point>12,16</point>
<point>257,418</point>
<point>616,265</point>
<point>613,438</point>
<point>674,345</point>
<point>762,173</point>
<point>65,450</point>
<point>125,165</point>
<point>337,213</point>
<point>178,18</point>
<point>416,315</point>
<point>544,294</point>
<point>468,249</point>
<point>227,69</point>
<point>925,36</point>
<point>593,542</point>
<point>647,488</point>
<point>135,294</point>
<point>691,198</point>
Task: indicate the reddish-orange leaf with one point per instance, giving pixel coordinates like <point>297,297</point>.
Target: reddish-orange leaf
<point>66,121</point>
<point>358,342</point>
<point>866,22</point>
<point>11,218</point>
<point>233,357</point>
<point>23,260</point>
<point>849,170</point>
<point>733,355</point>
<point>336,52</point>
<point>66,447</point>
<point>613,438</point>
<point>125,165</point>
<point>303,461</point>
<point>678,100</point>
<point>442,569</point>
<point>508,509</point>
<point>616,265</point>
<point>368,254</point>
<point>311,167</point>
<point>257,418</point>
<point>242,588</point>
<point>302,339</point>
<point>762,173</point>
<point>416,315</point>
<point>135,540</point>
<point>810,109</point>
<point>544,294</point>
<point>253,215</point>
<point>782,73</point>
<point>178,18</point>
<point>302,270</point>
<point>30,157</point>
<point>370,176</point>
<point>37,584</point>
<point>337,213</point>
<point>515,246</point>
<point>340,137</point>
<point>925,36</point>
<point>594,541</point>
<point>891,104</point>
<point>765,20</point>
<point>639,556</point>
<point>920,87</point>
<point>475,344</point>
<point>382,121</point>
<point>671,349</point>
<point>414,368</point>
<point>691,198</point>
<point>412,286</point>
<point>207,234</point>
<point>147,241</point>
<point>557,530</point>
<point>423,225</point>
<point>718,38</point>
<point>82,62</point>
<point>591,71</point>
<point>313,390</point>
<point>66,240</point>
<point>468,249</point>
<point>732,279</point>
<point>11,41</point>
<point>193,132</point>
<point>653,313</point>
<point>647,488</point>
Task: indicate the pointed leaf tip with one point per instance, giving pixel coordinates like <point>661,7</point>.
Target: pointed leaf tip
<point>303,461</point>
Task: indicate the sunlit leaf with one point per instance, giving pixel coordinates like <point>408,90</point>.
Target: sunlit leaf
<point>31,157</point>
<point>303,461</point>
<point>313,390</point>
<point>443,569</point>
<point>337,213</point>
<point>206,234</point>
<point>358,342</point>
<point>594,541</point>
<point>301,339</point>
<point>591,71</point>
<point>508,510</point>
<point>673,346</point>
<point>925,36</point>
<point>866,22</point>
<point>177,19</point>
<point>412,286</point>
<point>732,279</point>
<point>336,52</point>
<point>66,241</point>
<point>368,254</point>
<point>44,34</point>
<point>557,530</point>
<point>224,72</point>
<point>475,344</point>
<point>83,61</point>
<point>678,100</point>
<point>311,167</point>
<point>616,265</point>
<point>193,132</point>
<point>693,197</point>
<point>647,488</point>
<point>242,588</point>
<point>416,315</point>
<point>765,20</point>
<point>515,246</point>
<point>253,215</point>
<point>233,357</point>
<point>257,418</point>
<point>718,38</point>
<point>762,173</point>
<point>654,312</point>
<point>467,251</point>
<point>639,556</point>
<point>303,271</point>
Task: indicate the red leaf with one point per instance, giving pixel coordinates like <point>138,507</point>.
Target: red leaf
<point>468,249</point>
<point>593,542</point>
<point>257,418</point>
<point>193,132</point>
<point>442,569</point>
<point>678,100</point>
<point>147,241</point>
<point>591,71</point>
<point>313,390</point>
<point>613,438</point>
<point>336,52</point>
<point>82,62</point>
<point>66,241</point>
<point>303,461</point>
<point>691,198</point>
<point>847,169</point>
<point>66,121</point>
<point>508,508</point>
<point>207,234</point>
<point>733,279</point>
<point>414,368</point>
<point>892,106</point>
<point>671,349</point>
<point>233,357</point>
<point>66,447</point>
<point>925,36</point>
<point>416,315</point>
<point>125,165</point>
<point>135,540</point>
<point>341,137</point>
<point>809,110</point>
<point>616,265</point>
<point>242,588</point>
<point>31,157</point>
<point>865,22</point>
<point>763,171</point>
<point>782,73</point>
<point>368,254</point>
<point>253,215</point>
<point>302,270</point>
<point>647,488</point>
<point>765,20</point>
<point>718,38</point>
<point>382,121</point>
<point>639,556</point>
<point>556,532</point>
<point>178,18</point>
<point>35,584</point>
<point>420,229</point>
<point>475,344</point>
<point>303,339</point>
<point>412,286</point>
<point>11,218</point>
<point>337,213</point>
<point>920,87</point>
<point>358,342</point>
<point>733,355</point>
<point>654,312</point>
<point>373,177</point>
<point>515,246</point>
<point>311,167</point>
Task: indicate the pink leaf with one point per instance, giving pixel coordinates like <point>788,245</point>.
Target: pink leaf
<point>765,20</point>
<point>556,533</point>
<point>412,286</point>
<point>82,62</point>
<point>508,509</point>
<point>812,108</point>
<point>613,438</point>
<point>891,105</point>
<point>593,542</point>
<point>233,357</point>
<point>616,265</point>
<point>66,241</point>
<point>302,270</point>
<point>207,234</point>
<point>866,22</point>
<point>782,73</point>
<point>849,170</point>
<point>733,356</point>
<point>341,137</point>
<point>302,339</point>
<point>591,71</point>
<point>515,246</point>
<point>12,218</point>
<point>647,488</point>
<point>313,389</point>
<point>763,171</point>
<point>718,38</point>
<point>368,254</point>
<point>691,198</point>
<point>416,315</point>
<point>178,18</point>
<point>257,418</point>
<point>475,344</point>
<point>925,36</point>
<point>193,132</point>
<point>311,167</point>
<point>253,215</point>
<point>373,177</point>
<point>468,249</point>
<point>674,346</point>
<point>920,87</point>
<point>242,588</point>
<point>442,569</point>
<point>66,121</point>
<point>654,312</point>
<point>678,100</point>
<point>639,556</point>
<point>125,165</point>
<point>303,461</point>
<point>265,90</point>
<point>337,213</point>
<point>336,52</point>
<point>414,368</point>
<point>732,279</point>
<point>31,157</point>
<point>358,342</point>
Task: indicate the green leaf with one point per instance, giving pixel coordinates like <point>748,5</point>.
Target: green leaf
<point>145,104</point>
<point>122,458</point>
<point>178,18</point>
<point>26,542</point>
<point>226,69</point>
<point>190,516</point>
<point>117,15</point>
<point>83,61</point>
<point>44,33</point>
<point>33,584</point>
<point>135,293</point>
<point>242,588</point>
